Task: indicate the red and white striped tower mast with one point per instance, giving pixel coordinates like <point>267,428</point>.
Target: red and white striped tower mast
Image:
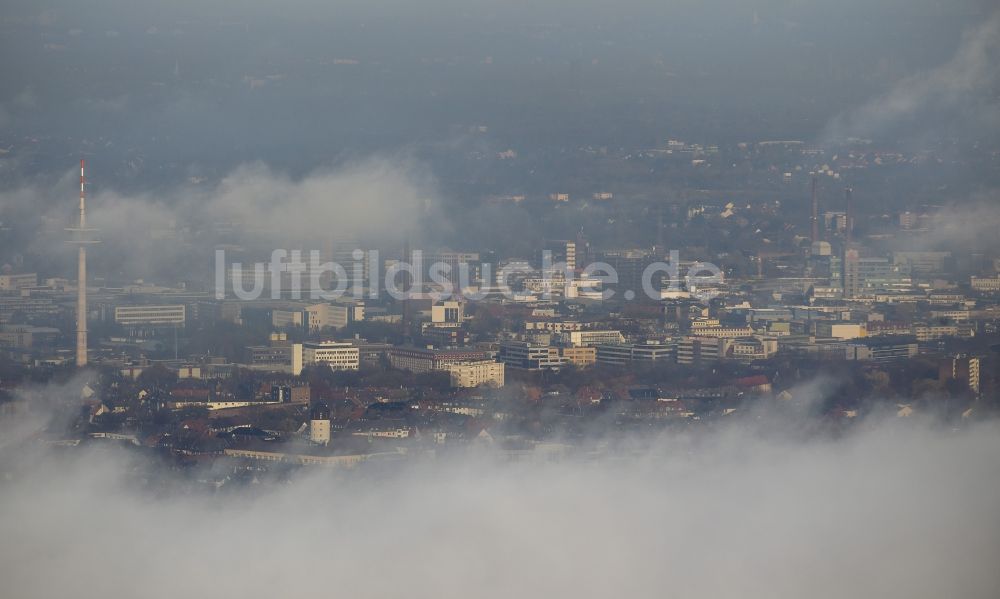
<point>815,211</point>
<point>81,238</point>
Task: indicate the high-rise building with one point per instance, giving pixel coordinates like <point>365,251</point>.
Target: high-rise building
<point>863,276</point>
<point>814,220</point>
<point>562,251</point>
<point>630,265</point>
<point>462,268</point>
<point>965,369</point>
<point>356,262</point>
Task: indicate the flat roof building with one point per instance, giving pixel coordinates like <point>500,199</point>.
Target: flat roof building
<point>338,355</point>
<point>473,374</point>
<point>151,316</point>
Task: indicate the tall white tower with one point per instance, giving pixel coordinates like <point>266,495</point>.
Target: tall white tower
<point>81,238</point>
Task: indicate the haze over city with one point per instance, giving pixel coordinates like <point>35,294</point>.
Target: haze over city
<point>492,299</point>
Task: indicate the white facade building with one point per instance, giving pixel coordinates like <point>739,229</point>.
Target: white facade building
<point>473,374</point>
<point>339,355</point>
<point>14,282</point>
<point>986,284</point>
<point>150,316</point>
<point>593,338</point>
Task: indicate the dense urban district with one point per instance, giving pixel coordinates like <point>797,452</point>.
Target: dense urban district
<point>767,288</point>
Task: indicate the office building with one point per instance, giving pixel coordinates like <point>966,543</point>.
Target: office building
<point>591,338</point>
<point>335,315</point>
<point>986,284</point>
<point>338,355</point>
<point>287,319</point>
<point>581,357</point>
<point>863,277</point>
<point>693,349</point>
<point>829,329</point>
<point>625,353</point>
<point>16,282</point>
<point>751,349</point>
<point>921,263</point>
<point>448,312</point>
<point>473,374</point>
<point>528,356</point>
<point>882,349</point>
<point>173,315</point>
<point>418,359</point>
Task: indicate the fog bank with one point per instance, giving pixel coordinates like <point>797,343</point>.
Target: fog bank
<point>889,511</point>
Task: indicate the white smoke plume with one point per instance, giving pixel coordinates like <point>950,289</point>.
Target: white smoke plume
<point>969,225</point>
<point>964,88</point>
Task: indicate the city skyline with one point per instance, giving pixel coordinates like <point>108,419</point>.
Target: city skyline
<point>500,299</point>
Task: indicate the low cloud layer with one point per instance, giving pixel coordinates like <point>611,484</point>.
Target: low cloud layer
<point>369,198</point>
<point>378,199</point>
<point>889,511</point>
<point>372,198</point>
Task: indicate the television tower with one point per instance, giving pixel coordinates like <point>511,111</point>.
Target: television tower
<point>814,221</point>
<point>849,217</point>
<point>81,238</point>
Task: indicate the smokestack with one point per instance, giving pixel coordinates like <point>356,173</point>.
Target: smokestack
<point>407,284</point>
<point>849,225</point>
<point>815,211</point>
<point>660,244</point>
<point>582,248</point>
<point>81,238</point>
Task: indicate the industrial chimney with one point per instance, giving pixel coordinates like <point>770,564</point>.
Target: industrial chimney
<point>849,224</point>
<point>815,211</point>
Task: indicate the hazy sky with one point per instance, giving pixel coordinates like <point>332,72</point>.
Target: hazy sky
<point>299,83</point>
<point>311,101</point>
